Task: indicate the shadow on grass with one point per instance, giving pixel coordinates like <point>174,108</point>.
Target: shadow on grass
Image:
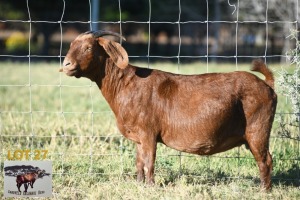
<point>192,178</point>
<point>289,177</point>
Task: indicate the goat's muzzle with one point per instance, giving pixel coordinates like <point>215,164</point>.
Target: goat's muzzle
<point>70,69</point>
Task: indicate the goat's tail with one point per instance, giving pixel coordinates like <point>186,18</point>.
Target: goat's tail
<point>259,66</point>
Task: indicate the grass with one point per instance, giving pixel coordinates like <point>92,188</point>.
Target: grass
<point>43,109</point>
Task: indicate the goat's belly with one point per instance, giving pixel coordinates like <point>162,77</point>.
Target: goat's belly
<point>204,148</point>
<point>217,132</point>
<point>203,144</point>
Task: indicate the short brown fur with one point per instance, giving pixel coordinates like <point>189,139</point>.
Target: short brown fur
<point>167,89</point>
<point>200,114</point>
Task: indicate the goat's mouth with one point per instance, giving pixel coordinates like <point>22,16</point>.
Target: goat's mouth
<point>72,72</point>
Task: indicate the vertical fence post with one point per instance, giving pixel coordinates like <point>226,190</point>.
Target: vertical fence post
<point>216,28</point>
<point>95,14</point>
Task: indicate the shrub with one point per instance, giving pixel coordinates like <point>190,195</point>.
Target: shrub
<point>289,82</point>
<point>17,42</point>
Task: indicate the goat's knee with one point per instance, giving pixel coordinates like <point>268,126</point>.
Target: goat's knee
<point>145,169</point>
<point>139,164</point>
<point>145,162</point>
<point>140,170</point>
<point>149,168</point>
<point>149,171</point>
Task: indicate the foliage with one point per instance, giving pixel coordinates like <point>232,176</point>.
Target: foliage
<point>289,82</point>
<point>17,42</point>
<point>8,11</point>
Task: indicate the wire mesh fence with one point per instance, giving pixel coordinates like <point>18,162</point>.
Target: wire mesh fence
<point>40,108</point>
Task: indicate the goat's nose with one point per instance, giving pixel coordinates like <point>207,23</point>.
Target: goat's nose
<point>66,63</point>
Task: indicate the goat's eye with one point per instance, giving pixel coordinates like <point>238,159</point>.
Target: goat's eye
<point>89,49</point>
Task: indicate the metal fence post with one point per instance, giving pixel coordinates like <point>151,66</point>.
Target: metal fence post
<point>95,14</point>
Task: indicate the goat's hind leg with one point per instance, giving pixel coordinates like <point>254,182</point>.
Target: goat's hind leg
<point>258,129</point>
<point>259,147</point>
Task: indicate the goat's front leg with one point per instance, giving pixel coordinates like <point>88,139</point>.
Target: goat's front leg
<point>145,159</point>
<point>31,183</point>
<point>26,186</point>
<point>139,163</point>
<point>19,186</point>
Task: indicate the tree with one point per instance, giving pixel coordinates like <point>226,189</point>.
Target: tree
<point>272,11</point>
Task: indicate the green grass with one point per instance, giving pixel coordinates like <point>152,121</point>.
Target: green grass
<point>44,109</point>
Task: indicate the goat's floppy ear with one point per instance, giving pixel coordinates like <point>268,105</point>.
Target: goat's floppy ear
<point>115,51</point>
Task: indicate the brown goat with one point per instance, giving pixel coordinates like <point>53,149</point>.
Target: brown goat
<point>27,179</point>
<point>200,114</point>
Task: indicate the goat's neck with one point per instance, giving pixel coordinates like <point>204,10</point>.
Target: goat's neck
<point>111,82</point>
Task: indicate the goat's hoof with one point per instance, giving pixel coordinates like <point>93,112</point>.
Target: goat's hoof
<point>140,179</point>
<point>150,182</point>
<point>265,189</point>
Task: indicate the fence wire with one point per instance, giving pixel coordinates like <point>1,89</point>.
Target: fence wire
<point>92,115</point>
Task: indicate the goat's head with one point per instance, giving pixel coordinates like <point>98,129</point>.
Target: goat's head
<point>89,51</point>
